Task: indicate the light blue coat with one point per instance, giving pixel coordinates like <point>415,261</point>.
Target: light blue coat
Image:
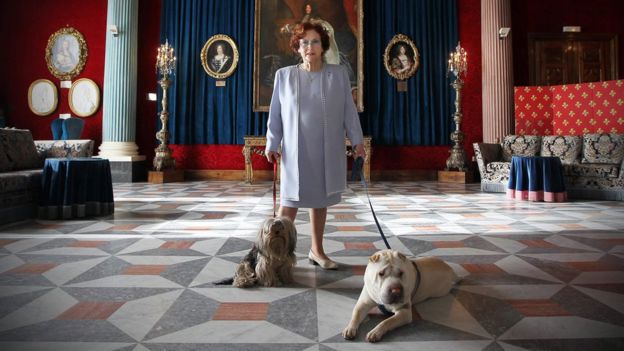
<point>339,116</point>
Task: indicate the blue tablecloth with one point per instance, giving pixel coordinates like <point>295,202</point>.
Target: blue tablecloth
<point>76,188</point>
<point>536,179</point>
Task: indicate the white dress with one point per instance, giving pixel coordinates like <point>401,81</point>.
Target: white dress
<point>312,192</point>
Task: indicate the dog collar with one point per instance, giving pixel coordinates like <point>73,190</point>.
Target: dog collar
<point>417,279</point>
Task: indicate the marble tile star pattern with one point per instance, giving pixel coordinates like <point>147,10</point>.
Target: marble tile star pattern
<point>535,276</point>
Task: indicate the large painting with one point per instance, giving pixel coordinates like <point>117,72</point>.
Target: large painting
<point>275,19</point>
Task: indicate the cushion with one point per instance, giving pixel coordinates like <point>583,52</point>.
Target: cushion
<point>521,145</point>
<point>603,148</point>
<point>5,165</point>
<point>600,170</point>
<point>65,148</point>
<point>489,152</point>
<point>19,148</point>
<point>567,148</point>
<point>498,167</point>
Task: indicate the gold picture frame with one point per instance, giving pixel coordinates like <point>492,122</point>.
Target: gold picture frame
<point>219,56</point>
<point>66,53</point>
<point>401,57</point>
<point>274,21</point>
<point>42,97</point>
<point>84,97</point>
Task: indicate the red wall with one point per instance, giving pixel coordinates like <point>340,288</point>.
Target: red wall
<point>27,26</point>
<point>384,157</point>
<point>33,21</point>
<point>539,16</point>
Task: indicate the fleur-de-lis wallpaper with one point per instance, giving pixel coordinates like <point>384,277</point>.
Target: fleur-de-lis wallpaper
<point>572,109</point>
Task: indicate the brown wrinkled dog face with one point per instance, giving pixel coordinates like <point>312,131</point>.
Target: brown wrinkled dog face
<point>277,237</point>
<point>390,276</point>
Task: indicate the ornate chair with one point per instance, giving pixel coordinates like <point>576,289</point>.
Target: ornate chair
<point>57,129</point>
<point>72,128</point>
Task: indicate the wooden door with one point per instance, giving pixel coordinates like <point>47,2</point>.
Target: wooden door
<point>567,58</point>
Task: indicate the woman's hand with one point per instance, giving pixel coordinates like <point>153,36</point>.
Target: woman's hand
<point>271,155</point>
<point>359,152</point>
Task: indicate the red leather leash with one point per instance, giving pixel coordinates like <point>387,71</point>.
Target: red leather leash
<point>274,185</point>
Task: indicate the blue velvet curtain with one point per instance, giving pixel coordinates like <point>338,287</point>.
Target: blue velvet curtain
<point>201,113</point>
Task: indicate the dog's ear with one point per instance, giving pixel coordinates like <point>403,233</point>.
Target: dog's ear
<point>401,256</point>
<point>375,258</point>
<point>264,228</point>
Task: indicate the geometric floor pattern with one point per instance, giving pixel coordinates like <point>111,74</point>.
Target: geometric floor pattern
<point>535,276</point>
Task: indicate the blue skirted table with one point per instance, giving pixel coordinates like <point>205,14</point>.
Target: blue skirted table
<point>76,188</point>
<point>536,178</point>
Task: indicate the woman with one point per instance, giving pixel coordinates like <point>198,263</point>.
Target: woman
<point>401,63</point>
<point>311,109</point>
<point>332,54</point>
<point>219,60</point>
<point>65,60</point>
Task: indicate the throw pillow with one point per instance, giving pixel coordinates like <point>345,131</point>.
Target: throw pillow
<point>603,148</point>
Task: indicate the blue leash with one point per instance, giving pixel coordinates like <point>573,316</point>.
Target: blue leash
<point>355,172</point>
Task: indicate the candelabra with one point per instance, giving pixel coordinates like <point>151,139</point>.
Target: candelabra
<point>457,65</point>
<point>165,65</point>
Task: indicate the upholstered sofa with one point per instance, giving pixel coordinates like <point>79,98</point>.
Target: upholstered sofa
<point>592,164</point>
<point>21,167</point>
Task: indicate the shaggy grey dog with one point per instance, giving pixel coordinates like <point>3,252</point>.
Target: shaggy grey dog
<point>272,257</point>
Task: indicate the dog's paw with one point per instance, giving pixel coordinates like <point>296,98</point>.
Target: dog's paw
<point>374,335</point>
<point>349,333</point>
<point>271,283</point>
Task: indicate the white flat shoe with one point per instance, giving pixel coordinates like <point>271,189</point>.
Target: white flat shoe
<point>325,264</point>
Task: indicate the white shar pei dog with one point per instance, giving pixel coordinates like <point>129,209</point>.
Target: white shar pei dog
<point>396,283</point>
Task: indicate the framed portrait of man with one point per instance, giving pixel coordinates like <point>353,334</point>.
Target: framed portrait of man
<point>66,53</point>
<point>401,57</point>
<point>275,21</point>
<point>219,56</point>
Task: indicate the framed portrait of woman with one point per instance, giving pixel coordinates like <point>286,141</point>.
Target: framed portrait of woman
<point>219,56</point>
<point>401,57</point>
<point>275,20</point>
<point>84,97</point>
<point>42,97</point>
<point>66,53</point>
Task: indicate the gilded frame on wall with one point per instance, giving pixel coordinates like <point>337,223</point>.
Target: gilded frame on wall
<point>84,97</point>
<point>42,97</point>
<point>219,56</point>
<point>66,53</point>
<point>275,19</point>
<point>401,57</point>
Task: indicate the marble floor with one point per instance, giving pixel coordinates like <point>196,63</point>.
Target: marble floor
<point>535,276</point>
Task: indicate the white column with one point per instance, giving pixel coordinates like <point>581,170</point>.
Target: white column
<point>497,68</point>
<point>120,83</point>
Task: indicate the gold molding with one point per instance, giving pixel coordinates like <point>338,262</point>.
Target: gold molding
<point>52,57</point>
<point>70,96</point>
<point>206,62</point>
<point>401,39</point>
<point>252,144</point>
<point>30,97</point>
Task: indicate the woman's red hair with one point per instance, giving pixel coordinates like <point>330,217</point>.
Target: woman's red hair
<point>299,33</point>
